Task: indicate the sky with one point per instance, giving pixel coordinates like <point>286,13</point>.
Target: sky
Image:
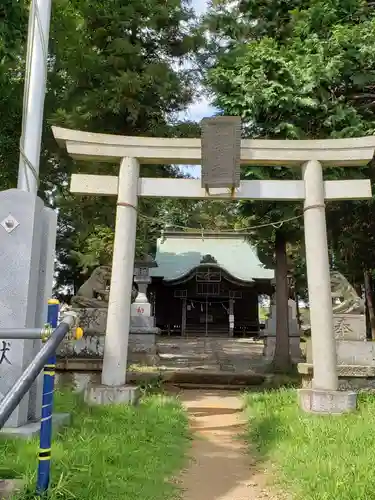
<point>199,6</point>
<point>200,108</point>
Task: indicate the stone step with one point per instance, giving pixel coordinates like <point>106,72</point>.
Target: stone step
<point>185,356</point>
<point>211,327</point>
<point>196,349</point>
<point>190,335</point>
<point>188,366</point>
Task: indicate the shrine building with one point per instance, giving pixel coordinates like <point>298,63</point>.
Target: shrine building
<point>208,285</point>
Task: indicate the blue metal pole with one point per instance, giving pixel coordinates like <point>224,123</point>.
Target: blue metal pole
<point>44,464</point>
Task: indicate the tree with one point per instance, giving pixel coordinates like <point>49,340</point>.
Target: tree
<point>13,23</point>
<point>113,67</point>
<point>302,73</point>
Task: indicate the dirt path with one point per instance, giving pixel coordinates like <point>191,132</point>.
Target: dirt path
<point>221,467</point>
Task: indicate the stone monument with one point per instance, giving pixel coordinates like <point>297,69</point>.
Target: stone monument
<point>294,334</point>
<point>27,249</point>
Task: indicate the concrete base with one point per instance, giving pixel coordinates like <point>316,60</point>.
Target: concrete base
<point>327,402</point>
<point>30,430</point>
<point>106,395</point>
<point>10,487</point>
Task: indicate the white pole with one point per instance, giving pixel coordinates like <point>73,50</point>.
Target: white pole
<point>35,89</point>
<point>118,321</point>
<point>318,278</point>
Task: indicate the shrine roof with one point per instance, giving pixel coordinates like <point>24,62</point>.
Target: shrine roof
<point>178,253</point>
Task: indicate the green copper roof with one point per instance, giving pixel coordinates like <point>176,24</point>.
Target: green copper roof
<point>177,254</point>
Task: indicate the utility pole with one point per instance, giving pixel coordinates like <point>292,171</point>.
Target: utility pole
<point>34,95</point>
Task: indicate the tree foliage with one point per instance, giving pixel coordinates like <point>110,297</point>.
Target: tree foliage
<point>114,67</point>
<point>306,70</point>
<point>13,31</point>
<point>296,70</point>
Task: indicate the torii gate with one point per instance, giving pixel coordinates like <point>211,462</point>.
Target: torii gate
<point>309,155</point>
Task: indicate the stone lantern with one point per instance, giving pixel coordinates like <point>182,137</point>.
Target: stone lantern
<point>141,308</point>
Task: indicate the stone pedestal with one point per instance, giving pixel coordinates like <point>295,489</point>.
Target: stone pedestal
<point>351,377</point>
<point>326,402</point>
<point>352,347</point>
<point>294,335</point>
<point>141,346</point>
<point>109,395</point>
<point>355,355</point>
<point>92,321</point>
<point>349,327</point>
<point>350,352</point>
<point>140,315</point>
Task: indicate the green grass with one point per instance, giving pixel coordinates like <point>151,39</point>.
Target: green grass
<point>110,453</point>
<point>315,457</point>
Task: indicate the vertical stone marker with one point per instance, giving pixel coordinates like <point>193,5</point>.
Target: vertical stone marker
<point>23,289</point>
<point>20,248</point>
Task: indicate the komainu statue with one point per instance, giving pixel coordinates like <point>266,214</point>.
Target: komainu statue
<point>350,302</point>
<point>342,290</point>
<point>95,291</point>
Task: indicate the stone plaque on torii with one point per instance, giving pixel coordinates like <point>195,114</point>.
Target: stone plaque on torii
<point>311,156</point>
<point>221,152</point>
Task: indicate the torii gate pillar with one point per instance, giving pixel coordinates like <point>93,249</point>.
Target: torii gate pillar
<point>113,388</point>
<point>318,276</point>
<point>116,343</point>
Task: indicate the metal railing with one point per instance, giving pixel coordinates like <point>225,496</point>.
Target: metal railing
<point>52,335</point>
<point>26,333</point>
